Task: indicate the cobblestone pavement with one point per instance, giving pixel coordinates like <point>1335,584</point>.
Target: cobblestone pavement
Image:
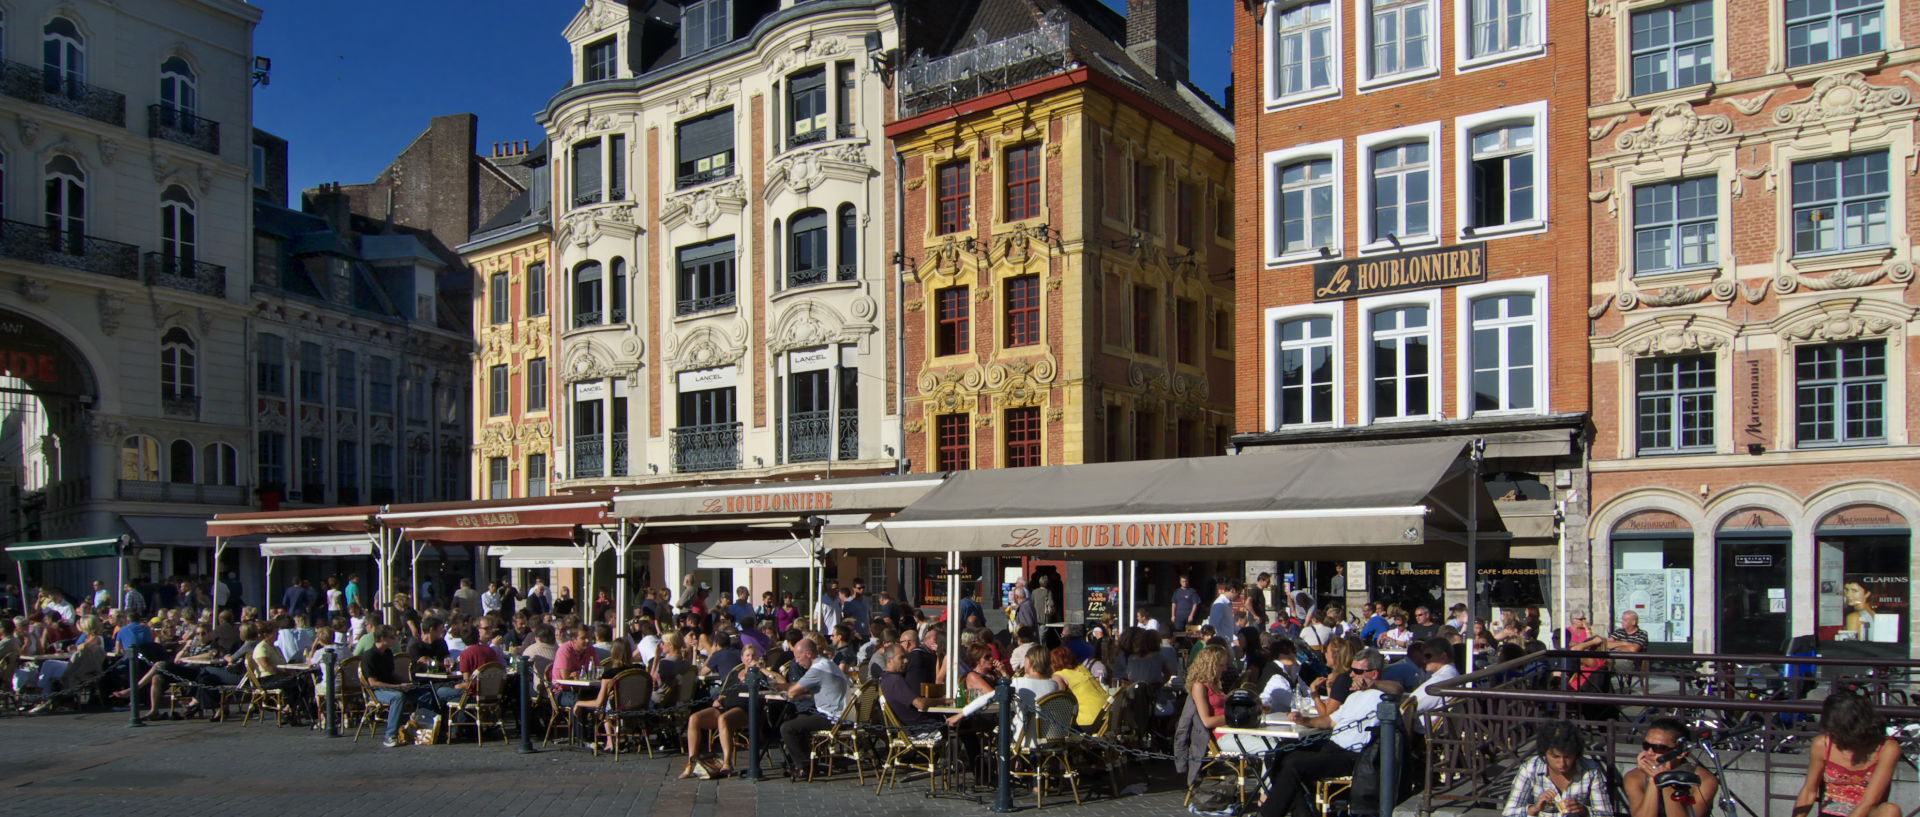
<point>94,764</point>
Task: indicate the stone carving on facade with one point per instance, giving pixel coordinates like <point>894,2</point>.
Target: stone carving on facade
<point>29,130</point>
<point>1675,295</point>
<point>706,347</point>
<point>1749,107</point>
<point>863,308</point>
<point>109,150</point>
<point>537,434</point>
<point>702,205</point>
<point>1675,124</point>
<point>806,51</point>
<point>346,425</point>
<point>1675,340</point>
<point>112,306</point>
<point>34,290</point>
<point>913,426</point>
<point>496,440</point>
<point>596,15</point>
<point>1600,131</point>
<point>1020,383</point>
<point>587,364</point>
<point>808,324</point>
<point>702,99</point>
<point>1737,185</point>
<point>951,391</point>
<point>1841,326</point>
<point>1842,96</point>
<point>271,415</point>
<point>103,426</point>
<point>1898,272</point>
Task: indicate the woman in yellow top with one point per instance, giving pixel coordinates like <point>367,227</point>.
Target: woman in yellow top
<point>1091,696</point>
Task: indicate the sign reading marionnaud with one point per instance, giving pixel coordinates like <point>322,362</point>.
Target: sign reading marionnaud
<point>1420,269</point>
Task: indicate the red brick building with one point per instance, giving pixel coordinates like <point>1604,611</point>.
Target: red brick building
<point>1752,202</point>
<point>1411,200</point>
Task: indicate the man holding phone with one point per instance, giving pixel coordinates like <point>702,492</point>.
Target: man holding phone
<point>1664,749</point>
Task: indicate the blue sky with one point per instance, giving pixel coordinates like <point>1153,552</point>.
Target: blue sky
<point>355,80</point>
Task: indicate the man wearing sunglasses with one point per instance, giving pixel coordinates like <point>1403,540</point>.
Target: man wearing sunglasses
<point>1664,749</point>
<point>1351,724</point>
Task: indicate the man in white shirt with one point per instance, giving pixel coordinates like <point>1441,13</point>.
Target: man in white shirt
<point>649,645</point>
<point>1221,615</point>
<point>1439,668</point>
<point>1147,622</point>
<point>1352,727</point>
<point>490,600</point>
<point>826,613</point>
<point>102,597</point>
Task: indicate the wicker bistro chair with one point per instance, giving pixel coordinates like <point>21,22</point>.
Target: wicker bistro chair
<point>372,709</point>
<point>262,699</point>
<point>1114,727</point>
<point>917,751</point>
<point>483,705</point>
<point>1328,791</point>
<point>849,736</point>
<point>630,703</point>
<point>1046,744</point>
<point>350,696</point>
<point>9,697</point>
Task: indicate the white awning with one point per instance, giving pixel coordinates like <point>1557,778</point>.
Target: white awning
<point>524,556</point>
<point>792,553</point>
<point>356,544</point>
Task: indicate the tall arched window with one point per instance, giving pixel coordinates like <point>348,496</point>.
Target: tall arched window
<point>64,58</point>
<point>807,252</point>
<point>222,464</point>
<point>179,93</point>
<point>179,366</point>
<point>617,292</point>
<point>849,244</point>
<point>177,230</point>
<point>180,462</point>
<point>586,294</point>
<point>140,458</point>
<point>66,205</point>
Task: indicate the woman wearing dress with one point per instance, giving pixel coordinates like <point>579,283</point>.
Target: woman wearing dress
<point>1850,766</point>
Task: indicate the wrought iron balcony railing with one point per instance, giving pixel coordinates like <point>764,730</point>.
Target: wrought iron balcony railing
<point>133,490</point>
<point>703,176</point>
<point>53,88</point>
<point>585,319</point>
<point>67,248</point>
<point>806,276</point>
<point>806,138</point>
<point>810,435</point>
<point>695,306</point>
<point>618,461</point>
<point>186,274</point>
<point>181,127</point>
<point>844,130</point>
<point>713,447</point>
<point>589,456</point>
<point>849,435</point>
<point>586,198</point>
<point>847,272</point>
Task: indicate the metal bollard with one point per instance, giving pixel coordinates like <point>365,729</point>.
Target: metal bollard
<point>1003,797</point>
<point>133,689</point>
<point>1389,753</point>
<point>753,723</point>
<point>526,693</point>
<point>333,692</point>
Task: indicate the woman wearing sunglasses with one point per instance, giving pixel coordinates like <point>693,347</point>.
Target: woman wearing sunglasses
<point>1664,749</point>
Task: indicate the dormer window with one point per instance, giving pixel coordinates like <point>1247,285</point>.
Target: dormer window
<point>704,25</point>
<point>597,59</point>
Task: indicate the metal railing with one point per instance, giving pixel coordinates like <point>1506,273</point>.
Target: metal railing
<point>703,176</point>
<point>66,248</point>
<point>584,199</point>
<point>186,274</point>
<point>180,127</point>
<point>584,319</point>
<point>849,435</point>
<point>805,138</point>
<point>984,68</point>
<point>712,447</point>
<point>589,456</point>
<point>137,490</point>
<point>1486,728</point>
<point>806,276</point>
<point>843,130</point>
<point>185,406</point>
<point>847,272</point>
<point>810,435</point>
<point>695,306</point>
<point>53,88</point>
<point>617,462</point>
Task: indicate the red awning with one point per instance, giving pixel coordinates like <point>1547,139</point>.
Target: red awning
<point>572,509</point>
<point>357,519</point>
<point>491,534</point>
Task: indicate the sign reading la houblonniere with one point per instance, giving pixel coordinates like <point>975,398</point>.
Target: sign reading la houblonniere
<point>1420,269</point>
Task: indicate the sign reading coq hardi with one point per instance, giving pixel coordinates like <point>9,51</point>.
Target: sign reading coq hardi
<point>1443,266</point>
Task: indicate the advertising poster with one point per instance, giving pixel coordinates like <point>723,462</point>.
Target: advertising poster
<point>1100,599</point>
<point>1659,597</point>
<point>1876,606</point>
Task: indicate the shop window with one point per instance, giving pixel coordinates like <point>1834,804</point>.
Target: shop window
<point>1653,578</point>
<point>1754,586</point>
<point>1864,572</point>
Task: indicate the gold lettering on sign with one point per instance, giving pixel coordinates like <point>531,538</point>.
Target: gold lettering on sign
<point>769,503</point>
<point>1336,285</point>
<point>1420,269</point>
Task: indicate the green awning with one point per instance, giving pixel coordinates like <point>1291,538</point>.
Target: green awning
<point>57,549</point>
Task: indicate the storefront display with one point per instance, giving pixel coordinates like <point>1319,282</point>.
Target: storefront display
<point>1864,558</point>
<point>1653,577</point>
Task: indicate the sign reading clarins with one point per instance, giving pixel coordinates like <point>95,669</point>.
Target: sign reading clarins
<point>1420,269</point>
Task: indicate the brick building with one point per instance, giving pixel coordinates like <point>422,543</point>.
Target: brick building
<point>1752,210</point>
<point>1412,208</point>
<point>1065,247</point>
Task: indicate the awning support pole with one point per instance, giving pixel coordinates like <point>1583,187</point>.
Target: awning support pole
<point>620,579</point>
<point>413,570</point>
<point>1560,620</point>
<point>1477,451</point>
<point>119,582</point>
<point>219,547</point>
<point>21,568</point>
<point>266,585</point>
<point>953,623</point>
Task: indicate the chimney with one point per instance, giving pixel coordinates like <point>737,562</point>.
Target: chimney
<point>1157,37</point>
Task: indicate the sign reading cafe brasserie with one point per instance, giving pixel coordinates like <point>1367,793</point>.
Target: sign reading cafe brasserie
<point>1442,266</point>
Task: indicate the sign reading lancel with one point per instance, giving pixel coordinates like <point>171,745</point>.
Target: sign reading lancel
<point>1443,266</point>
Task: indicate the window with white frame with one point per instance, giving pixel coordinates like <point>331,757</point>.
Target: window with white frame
<point>1304,50</point>
<point>1400,370</point>
<point>1503,352</point>
<point>179,366</point>
<point>1821,30</point>
<point>1399,37</point>
<point>1401,191</point>
<point>1673,397</point>
<point>1840,393</point>
<point>1303,201</point>
<point>1672,46</point>
<point>1840,203</point>
<point>1675,225</point>
<point>1305,356</point>
<point>1496,27</point>
<point>1502,169</point>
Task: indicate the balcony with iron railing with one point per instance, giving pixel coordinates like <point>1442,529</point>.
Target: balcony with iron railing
<point>52,88</point>
<point>987,67</point>
<point>183,128</point>
<point>599,455</point>
<point>586,197</point>
<point>709,303</point>
<point>186,274</point>
<point>712,447</point>
<point>65,248</point>
<point>699,177</point>
<point>807,137</point>
<point>584,319</point>
<point>810,435</point>
<point>139,490</point>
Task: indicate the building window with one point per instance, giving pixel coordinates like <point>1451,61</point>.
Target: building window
<point>955,197</point>
<point>706,277</point>
<point>346,472</point>
<point>1305,62</point>
<point>380,473</point>
<point>272,459</point>
<point>1840,204</point>
<point>220,464</point>
<point>178,231</point>
<point>179,366</point>
<point>497,485</point>
<point>1672,47</point>
<point>1145,435</point>
<point>140,458</point>
<point>64,54</point>
<point>597,59</point>
<point>1305,362</point>
<point>1501,176</point>
<point>536,290</point>
<point>380,385</point>
<point>708,435</point>
<point>807,107</point>
<point>1146,301</point>
<point>704,149</point>
<point>1143,196</point>
<point>1023,437</point>
<point>1114,440</point>
<point>617,292</point>
<point>66,206</point>
<point>1840,393</point>
<point>587,294</point>
<point>1401,191</point>
<point>497,394</point>
<point>1186,317</point>
<point>346,380</point>
<point>419,465</point>
<point>586,173</point>
<point>313,469</point>
<point>1502,351</point>
<point>1402,341</point>
<point>313,373</point>
<point>1675,403</point>
<point>1675,225</point>
<point>953,441</point>
<point>1821,30</point>
<point>1187,214</point>
<point>617,167</point>
<point>1501,26</point>
<point>179,94</point>
<point>844,88</point>
<point>270,366</point>
<point>536,475</point>
<point>497,298</point>
<point>1023,182</point>
<point>537,384</point>
<point>1399,34</point>
<point>952,335</point>
<point>807,249</point>
<point>705,24</point>
<point>849,244</point>
<point>1306,206</point>
<point>1222,330</point>
<point>1023,310</point>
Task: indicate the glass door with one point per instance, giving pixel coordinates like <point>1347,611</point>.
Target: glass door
<point>1755,595</point>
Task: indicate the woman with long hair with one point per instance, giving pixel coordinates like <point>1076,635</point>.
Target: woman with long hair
<point>1850,766</point>
<point>619,657</point>
<point>1087,692</point>
<point>727,715</point>
<point>1205,710</point>
<point>1338,682</point>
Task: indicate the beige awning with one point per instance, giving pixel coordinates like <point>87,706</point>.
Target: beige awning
<point>1395,501</point>
<point>793,500</point>
<point>788,553</point>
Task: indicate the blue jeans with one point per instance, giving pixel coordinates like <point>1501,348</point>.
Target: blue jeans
<point>395,700</point>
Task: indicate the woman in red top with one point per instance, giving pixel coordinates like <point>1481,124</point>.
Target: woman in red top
<point>1850,768</point>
